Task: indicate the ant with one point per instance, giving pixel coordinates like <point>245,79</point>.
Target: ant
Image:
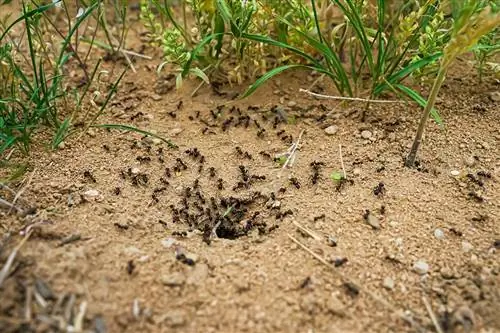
<point>117,191</point>
<point>227,123</point>
<point>204,131</point>
<point>142,159</point>
<point>379,190</point>
<point>179,105</point>
<point>244,172</point>
<point>316,166</point>
<point>264,154</point>
<point>319,217</point>
<point>181,163</point>
<point>167,172</point>
<point>260,133</point>
<point>164,181</point>
<point>220,184</point>
<point>172,114</point>
<point>295,182</point>
<point>211,171</point>
<point>88,175</point>
<point>279,133</point>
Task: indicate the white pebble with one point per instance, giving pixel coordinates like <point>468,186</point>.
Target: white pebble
<point>331,130</point>
<point>454,172</point>
<point>421,267</point>
<point>439,233</point>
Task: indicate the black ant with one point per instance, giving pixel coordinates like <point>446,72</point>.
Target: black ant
<point>167,172</point>
<point>181,163</point>
<point>244,172</point>
<point>319,217</point>
<point>282,190</point>
<point>143,159</point>
<point>137,115</point>
<point>279,133</point>
<point>316,167</point>
<point>261,132</point>
<point>484,174</point>
<point>295,182</point>
<point>227,123</point>
<point>172,114</point>
<point>214,115</point>
<point>220,184</point>
<point>257,123</point>
<point>164,181</point>
<point>379,190</point>
<point>117,191</point>
<point>179,105</point>
<point>264,154</point>
<point>275,124</point>
<point>88,175</point>
<point>204,131</point>
<point>211,171</point>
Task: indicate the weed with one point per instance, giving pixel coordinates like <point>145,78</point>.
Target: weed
<point>472,20</point>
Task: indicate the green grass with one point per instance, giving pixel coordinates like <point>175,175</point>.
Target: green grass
<point>36,95</point>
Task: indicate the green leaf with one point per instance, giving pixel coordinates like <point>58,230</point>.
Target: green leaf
<point>337,176</point>
<point>420,101</point>
<point>137,130</point>
<point>273,72</point>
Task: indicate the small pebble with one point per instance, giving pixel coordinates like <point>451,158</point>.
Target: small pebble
<point>373,221</point>
<point>455,173</point>
<point>331,130</point>
<point>175,131</point>
<point>495,96</point>
<point>91,195</point>
<point>421,267</point>
<point>291,104</point>
<point>439,233</point>
<point>332,241</point>
<point>470,161</point>
<point>366,134</point>
<point>447,273</point>
<point>173,280</point>
<point>388,283</point>
<point>466,246</point>
<point>155,97</point>
<point>135,171</point>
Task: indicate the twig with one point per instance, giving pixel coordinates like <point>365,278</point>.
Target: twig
<point>78,324</point>
<point>352,99</point>
<point>342,162</point>
<point>358,285</point>
<point>307,231</point>
<point>432,315</point>
<point>5,270</point>
<point>70,239</point>
<point>291,151</point>
<point>21,191</point>
<point>6,204</point>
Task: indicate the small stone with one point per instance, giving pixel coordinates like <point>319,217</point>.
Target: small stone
<point>91,195</point>
<point>276,204</point>
<point>135,171</point>
<point>470,161</point>
<point>439,233</point>
<point>421,267</point>
<point>495,96</point>
<point>447,273</point>
<point>332,241</point>
<point>356,171</point>
<point>388,283</point>
<point>176,318</point>
<point>466,246</point>
<point>168,242</point>
<point>366,134</point>
<point>62,145</point>
<point>372,220</point>
<point>91,132</point>
<point>176,131</point>
<point>291,104</point>
<point>173,280</point>
<point>454,173</point>
<point>331,130</point>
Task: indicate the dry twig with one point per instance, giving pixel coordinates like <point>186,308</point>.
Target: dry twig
<point>352,99</point>
<point>10,260</point>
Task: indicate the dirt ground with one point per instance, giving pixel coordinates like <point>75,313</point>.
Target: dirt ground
<point>119,244</point>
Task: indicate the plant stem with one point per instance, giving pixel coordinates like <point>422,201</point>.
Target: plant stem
<point>410,160</point>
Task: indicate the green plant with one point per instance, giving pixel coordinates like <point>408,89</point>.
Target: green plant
<point>472,20</point>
